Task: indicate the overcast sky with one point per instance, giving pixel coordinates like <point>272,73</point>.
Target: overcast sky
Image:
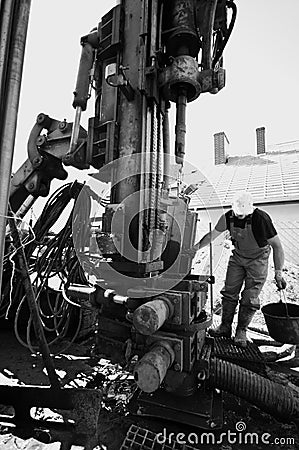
<point>261,62</point>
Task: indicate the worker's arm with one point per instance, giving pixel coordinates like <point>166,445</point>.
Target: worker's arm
<point>220,227</point>
<point>207,238</point>
<point>278,259</point>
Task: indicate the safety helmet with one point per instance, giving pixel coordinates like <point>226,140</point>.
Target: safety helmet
<point>242,203</point>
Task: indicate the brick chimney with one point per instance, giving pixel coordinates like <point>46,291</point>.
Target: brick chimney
<point>221,144</point>
<point>260,141</point>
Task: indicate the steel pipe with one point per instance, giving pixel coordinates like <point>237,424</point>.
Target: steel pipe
<point>12,55</point>
<point>32,304</point>
<point>6,23</point>
<point>180,127</point>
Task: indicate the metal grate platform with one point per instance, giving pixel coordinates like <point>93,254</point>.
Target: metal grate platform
<point>141,438</point>
<point>225,348</point>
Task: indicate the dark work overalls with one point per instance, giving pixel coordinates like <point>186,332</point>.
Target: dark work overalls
<point>248,264</point>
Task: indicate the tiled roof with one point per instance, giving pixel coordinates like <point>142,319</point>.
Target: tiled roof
<point>271,177</point>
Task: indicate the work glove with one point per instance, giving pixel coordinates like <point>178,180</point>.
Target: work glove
<point>280,281</point>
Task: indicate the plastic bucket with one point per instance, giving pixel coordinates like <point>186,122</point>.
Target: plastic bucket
<point>282,320</point>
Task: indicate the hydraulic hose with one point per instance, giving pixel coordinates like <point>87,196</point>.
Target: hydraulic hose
<point>271,397</point>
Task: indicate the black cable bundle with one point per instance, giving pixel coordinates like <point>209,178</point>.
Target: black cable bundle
<point>52,211</point>
<point>49,257</point>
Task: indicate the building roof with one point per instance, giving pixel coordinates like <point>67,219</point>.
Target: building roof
<point>270,177</point>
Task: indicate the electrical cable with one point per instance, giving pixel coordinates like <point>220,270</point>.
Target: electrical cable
<point>53,257</point>
<point>9,267</point>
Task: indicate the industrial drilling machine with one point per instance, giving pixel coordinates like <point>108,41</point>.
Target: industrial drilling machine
<point>142,57</point>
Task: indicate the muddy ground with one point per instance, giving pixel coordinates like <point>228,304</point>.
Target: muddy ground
<point>77,369</point>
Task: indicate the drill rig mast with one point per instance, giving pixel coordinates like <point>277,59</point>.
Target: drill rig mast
<point>141,57</point>
<point>148,55</point>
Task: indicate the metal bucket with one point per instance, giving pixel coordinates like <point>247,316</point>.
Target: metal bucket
<point>282,320</point>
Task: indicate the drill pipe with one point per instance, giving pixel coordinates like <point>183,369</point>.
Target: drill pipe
<point>180,127</point>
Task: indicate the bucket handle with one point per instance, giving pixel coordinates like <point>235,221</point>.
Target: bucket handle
<point>282,295</point>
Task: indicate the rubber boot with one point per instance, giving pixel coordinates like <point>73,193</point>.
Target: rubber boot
<point>244,318</point>
<point>225,328</point>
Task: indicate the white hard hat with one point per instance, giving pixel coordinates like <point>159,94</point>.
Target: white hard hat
<point>242,203</point>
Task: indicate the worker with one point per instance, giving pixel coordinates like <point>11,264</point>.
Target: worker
<point>253,234</point>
